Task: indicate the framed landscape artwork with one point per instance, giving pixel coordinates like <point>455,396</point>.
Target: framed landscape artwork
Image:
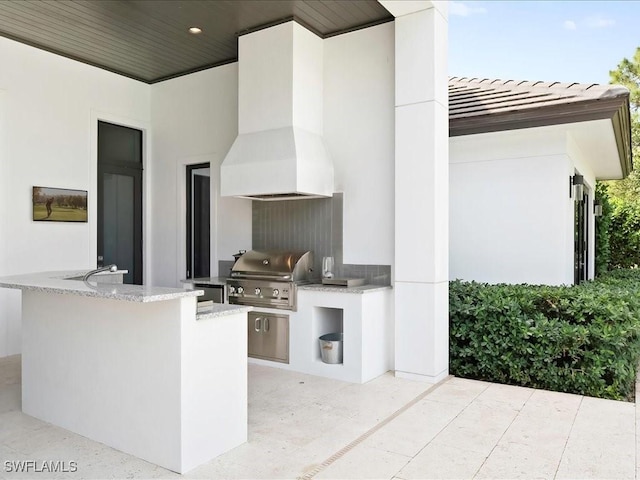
<point>59,205</point>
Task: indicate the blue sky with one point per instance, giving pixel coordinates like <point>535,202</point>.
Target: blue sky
<point>566,41</point>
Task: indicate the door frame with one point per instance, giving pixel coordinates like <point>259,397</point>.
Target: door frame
<point>584,208</point>
<point>189,213</point>
<point>181,208</point>
<point>136,174</point>
<point>92,253</point>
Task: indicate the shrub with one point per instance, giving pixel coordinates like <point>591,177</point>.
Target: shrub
<point>583,339</point>
<point>624,236</point>
<point>603,225</point>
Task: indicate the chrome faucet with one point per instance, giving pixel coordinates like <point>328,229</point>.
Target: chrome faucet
<point>112,268</point>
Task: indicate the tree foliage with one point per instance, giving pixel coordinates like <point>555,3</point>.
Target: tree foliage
<point>624,235</point>
<point>628,75</point>
<point>624,195</point>
<point>603,226</point>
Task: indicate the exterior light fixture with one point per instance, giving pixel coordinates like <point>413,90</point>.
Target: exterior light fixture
<point>576,183</point>
<point>195,30</point>
<point>597,209</point>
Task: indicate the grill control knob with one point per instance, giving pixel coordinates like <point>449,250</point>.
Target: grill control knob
<point>257,291</point>
<point>232,289</point>
<point>240,290</point>
<point>276,292</point>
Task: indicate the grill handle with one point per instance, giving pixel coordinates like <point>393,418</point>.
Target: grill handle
<point>258,276</point>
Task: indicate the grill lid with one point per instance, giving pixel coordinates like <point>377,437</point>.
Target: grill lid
<point>274,265</point>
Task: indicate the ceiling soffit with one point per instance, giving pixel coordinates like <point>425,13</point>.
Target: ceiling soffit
<point>148,40</point>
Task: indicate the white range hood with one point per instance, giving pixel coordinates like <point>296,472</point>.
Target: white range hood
<point>279,152</point>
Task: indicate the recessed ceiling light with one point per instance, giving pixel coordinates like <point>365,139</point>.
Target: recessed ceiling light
<point>195,30</point>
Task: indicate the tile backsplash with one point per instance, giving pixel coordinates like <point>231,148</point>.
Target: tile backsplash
<point>224,267</point>
<point>299,225</point>
<point>374,274</point>
<point>311,224</point>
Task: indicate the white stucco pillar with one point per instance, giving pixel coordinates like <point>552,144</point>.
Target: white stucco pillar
<point>421,190</point>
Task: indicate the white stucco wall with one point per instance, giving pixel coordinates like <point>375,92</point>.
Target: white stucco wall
<point>49,137</point>
<point>580,156</point>
<point>511,217</point>
<point>46,113</point>
<point>359,132</point>
<point>50,105</point>
<point>194,120</point>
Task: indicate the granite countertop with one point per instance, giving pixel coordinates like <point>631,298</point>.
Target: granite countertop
<point>58,282</point>
<point>220,310</point>
<point>318,287</point>
<point>207,280</point>
<point>315,287</point>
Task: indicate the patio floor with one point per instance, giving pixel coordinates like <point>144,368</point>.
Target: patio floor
<point>307,427</point>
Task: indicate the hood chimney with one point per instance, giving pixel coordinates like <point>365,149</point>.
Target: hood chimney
<point>279,152</point>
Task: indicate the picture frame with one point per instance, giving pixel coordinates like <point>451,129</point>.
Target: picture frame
<point>51,204</point>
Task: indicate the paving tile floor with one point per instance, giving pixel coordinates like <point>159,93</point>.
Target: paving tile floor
<point>306,427</point>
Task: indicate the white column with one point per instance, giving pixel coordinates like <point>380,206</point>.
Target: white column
<point>421,191</point>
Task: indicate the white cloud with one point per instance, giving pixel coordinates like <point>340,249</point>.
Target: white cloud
<point>595,21</point>
<point>463,10</point>
<point>599,21</point>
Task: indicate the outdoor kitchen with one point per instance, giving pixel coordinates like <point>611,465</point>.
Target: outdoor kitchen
<point>293,272</point>
<point>277,178</point>
<point>271,124</point>
<point>294,114</point>
<point>297,300</point>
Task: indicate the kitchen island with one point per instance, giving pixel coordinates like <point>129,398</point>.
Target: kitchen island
<point>134,367</point>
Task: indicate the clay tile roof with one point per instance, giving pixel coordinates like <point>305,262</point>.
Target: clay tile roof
<point>489,105</point>
<point>473,97</point>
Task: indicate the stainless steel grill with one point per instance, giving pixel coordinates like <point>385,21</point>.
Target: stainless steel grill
<point>269,278</point>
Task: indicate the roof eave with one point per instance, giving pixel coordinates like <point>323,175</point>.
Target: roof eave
<point>615,109</point>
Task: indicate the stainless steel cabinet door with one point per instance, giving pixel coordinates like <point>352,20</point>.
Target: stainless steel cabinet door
<point>269,336</point>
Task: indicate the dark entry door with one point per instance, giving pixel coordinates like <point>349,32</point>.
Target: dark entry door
<point>120,199</point>
<point>198,221</point>
<point>581,239</point>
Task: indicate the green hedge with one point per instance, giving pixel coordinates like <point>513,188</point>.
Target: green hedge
<point>603,227</point>
<point>583,339</point>
<point>624,235</point>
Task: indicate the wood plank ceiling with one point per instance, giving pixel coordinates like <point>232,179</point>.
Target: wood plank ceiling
<point>148,40</point>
